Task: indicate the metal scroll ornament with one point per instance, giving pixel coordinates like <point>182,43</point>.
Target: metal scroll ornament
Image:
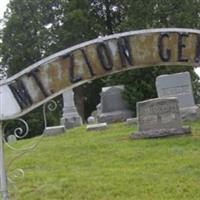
<point>21,131</point>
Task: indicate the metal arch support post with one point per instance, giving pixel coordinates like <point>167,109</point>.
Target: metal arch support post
<point>3,177</point>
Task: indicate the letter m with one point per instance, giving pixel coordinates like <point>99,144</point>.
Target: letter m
<point>21,94</point>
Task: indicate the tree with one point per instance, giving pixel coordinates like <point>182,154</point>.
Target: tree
<point>109,14</point>
<point>27,38</point>
<point>28,35</point>
<point>45,27</point>
<point>140,84</point>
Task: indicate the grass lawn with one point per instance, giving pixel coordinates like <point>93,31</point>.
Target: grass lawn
<point>107,165</point>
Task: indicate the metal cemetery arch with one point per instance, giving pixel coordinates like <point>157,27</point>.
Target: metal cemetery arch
<point>79,64</point>
<point>87,61</point>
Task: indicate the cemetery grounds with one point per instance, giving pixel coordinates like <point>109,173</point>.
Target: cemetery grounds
<point>107,165</point>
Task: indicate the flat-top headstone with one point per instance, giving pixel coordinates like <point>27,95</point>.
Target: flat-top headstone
<point>97,127</point>
<point>159,117</point>
<point>179,85</point>
<point>54,130</point>
<point>112,107</point>
<point>176,85</point>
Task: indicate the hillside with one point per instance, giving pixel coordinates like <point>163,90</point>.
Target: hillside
<point>107,165</point>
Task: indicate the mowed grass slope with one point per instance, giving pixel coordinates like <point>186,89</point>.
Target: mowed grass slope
<point>107,165</point>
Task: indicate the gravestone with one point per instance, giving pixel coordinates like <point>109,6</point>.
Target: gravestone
<point>179,85</point>
<point>112,107</point>
<point>97,127</point>
<point>158,118</point>
<point>54,130</point>
<point>70,116</point>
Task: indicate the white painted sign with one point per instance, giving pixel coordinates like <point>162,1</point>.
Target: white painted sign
<point>8,104</point>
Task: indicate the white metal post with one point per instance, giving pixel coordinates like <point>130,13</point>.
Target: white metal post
<point>3,177</point>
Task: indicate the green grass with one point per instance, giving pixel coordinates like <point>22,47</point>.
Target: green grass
<point>107,165</point>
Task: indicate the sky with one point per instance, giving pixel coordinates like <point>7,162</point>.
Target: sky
<point>3,4</point>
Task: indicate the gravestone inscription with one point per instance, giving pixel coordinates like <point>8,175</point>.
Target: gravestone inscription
<point>158,118</point>
<point>179,85</point>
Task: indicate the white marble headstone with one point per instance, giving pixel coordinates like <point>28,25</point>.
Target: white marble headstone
<point>70,117</point>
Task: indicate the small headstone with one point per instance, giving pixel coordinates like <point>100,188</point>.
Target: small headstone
<point>131,121</point>
<point>54,130</point>
<point>97,127</point>
<point>91,120</point>
<point>70,116</point>
<point>179,85</point>
<point>11,138</point>
<point>112,107</point>
<point>159,118</point>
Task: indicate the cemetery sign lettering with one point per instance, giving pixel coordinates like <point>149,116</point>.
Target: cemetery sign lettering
<point>94,59</point>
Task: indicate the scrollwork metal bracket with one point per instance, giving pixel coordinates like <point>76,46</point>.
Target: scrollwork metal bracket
<point>20,133</point>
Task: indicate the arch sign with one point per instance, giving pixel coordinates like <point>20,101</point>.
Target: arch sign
<point>87,61</point>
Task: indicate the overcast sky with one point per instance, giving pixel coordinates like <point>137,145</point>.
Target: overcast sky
<point>3,4</point>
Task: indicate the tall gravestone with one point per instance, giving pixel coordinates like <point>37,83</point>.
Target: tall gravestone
<point>112,107</point>
<point>70,116</point>
<point>179,85</point>
<point>158,118</point>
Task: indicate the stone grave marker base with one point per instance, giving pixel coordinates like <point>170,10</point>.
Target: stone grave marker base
<point>117,116</point>
<point>95,127</point>
<point>132,121</point>
<point>190,113</point>
<point>161,133</point>
<point>54,130</point>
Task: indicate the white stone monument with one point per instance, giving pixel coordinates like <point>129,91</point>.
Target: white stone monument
<point>70,116</point>
<point>179,85</point>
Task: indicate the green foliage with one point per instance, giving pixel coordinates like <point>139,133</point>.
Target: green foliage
<point>109,14</point>
<point>161,13</point>
<point>88,100</point>
<point>140,83</point>
<point>35,119</point>
<point>107,165</point>
<point>36,29</point>
<point>26,36</point>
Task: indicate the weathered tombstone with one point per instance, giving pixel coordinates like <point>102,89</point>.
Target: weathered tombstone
<point>70,117</point>
<point>97,127</point>
<point>179,85</point>
<point>54,130</point>
<point>112,107</point>
<point>158,118</point>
